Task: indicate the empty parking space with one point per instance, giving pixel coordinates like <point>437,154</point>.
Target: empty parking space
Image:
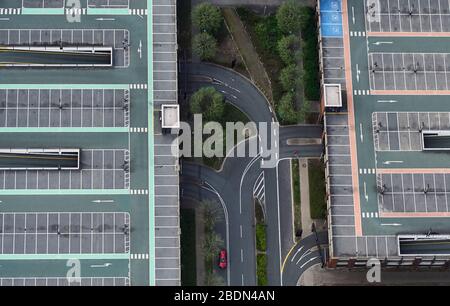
<point>100,169</point>
<point>108,3</point>
<point>63,281</point>
<point>64,108</point>
<point>402,131</point>
<point>43,3</point>
<point>409,71</point>
<point>116,38</point>
<point>64,233</point>
<point>418,192</point>
<point>408,16</point>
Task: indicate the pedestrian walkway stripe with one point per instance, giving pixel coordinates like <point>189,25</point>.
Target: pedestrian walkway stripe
<point>65,86</point>
<point>64,256</point>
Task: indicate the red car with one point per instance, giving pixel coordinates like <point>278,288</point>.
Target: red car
<point>223,259</point>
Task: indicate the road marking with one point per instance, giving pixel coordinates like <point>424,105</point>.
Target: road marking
<point>365,192</point>
<point>303,256</point>
<point>140,49</point>
<point>240,227</point>
<point>311,259</point>
<point>388,162</point>
<point>357,72</point>
<point>387,101</point>
<point>361,132</point>
<point>242,279</point>
<point>105,19</point>
<point>382,43</point>
<point>105,265</point>
<point>301,248</point>
<point>390,224</point>
<point>103,201</point>
<point>242,255</point>
<point>353,15</point>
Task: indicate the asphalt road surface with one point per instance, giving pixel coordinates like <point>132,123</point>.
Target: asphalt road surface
<point>30,57</point>
<point>235,182</point>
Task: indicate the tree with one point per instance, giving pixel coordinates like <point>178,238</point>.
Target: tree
<point>289,49</point>
<point>207,18</point>
<point>214,279</point>
<point>304,110</point>
<point>289,17</point>
<point>286,110</point>
<point>211,214</point>
<point>211,246</point>
<point>204,46</point>
<point>209,102</point>
<point>291,78</point>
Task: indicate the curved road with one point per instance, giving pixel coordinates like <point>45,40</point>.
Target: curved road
<point>235,182</point>
<point>303,255</point>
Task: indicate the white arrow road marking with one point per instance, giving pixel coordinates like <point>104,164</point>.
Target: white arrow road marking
<point>357,72</point>
<point>390,224</point>
<point>353,15</point>
<point>103,201</point>
<point>393,162</point>
<point>108,264</point>
<point>382,43</point>
<point>387,101</point>
<point>311,259</point>
<point>361,132</point>
<point>365,192</point>
<point>105,19</point>
<point>303,256</point>
<point>140,49</point>
<point>301,248</point>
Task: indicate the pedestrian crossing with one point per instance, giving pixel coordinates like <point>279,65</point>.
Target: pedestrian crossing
<point>369,215</point>
<point>10,11</point>
<point>138,86</point>
<point>76,11</point>
<point>366,171</point>
<point>139,256</point>
<point>138,130</point>
<point>357,34</point>
<point>361,92</point>
<point>140,12</point>
<point>139,191</point>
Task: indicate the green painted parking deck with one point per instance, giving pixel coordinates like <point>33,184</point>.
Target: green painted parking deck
<point>151,161</point>
<point>63,191</point>
<point>65,86</point>
<point>64,130</point>
<point>108,11</point>
<point>64,256</point>
<point>43,11</point>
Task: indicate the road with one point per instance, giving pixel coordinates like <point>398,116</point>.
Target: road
<point>31,57</point>
<point>302,256</point>
<point>236,180</point>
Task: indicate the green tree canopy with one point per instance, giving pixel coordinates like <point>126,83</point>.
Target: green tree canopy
<point>291,78</point>
<point>204,46</point>
<point>289,49</point>
<point>209,102</point>
<point>290,16</point>
<point>286,111</point>
<point>207,18</point>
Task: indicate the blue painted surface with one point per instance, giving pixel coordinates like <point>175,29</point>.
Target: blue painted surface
<point>331,18</point>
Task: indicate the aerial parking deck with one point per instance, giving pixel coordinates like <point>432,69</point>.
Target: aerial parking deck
<point>20,56</point>
<point>97,86</point>
<point>388,170</point>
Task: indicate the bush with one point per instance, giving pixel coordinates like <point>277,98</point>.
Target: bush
<point>209,102</point>
<point>204,46</point>
<point>289,49</point>
<point>261,269</point>
<point>286,111</point>
<point>268,34</point>
<point>289,17</point>
<point>207,18</point>
<point>261,237</point>
<point>291,78</point>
